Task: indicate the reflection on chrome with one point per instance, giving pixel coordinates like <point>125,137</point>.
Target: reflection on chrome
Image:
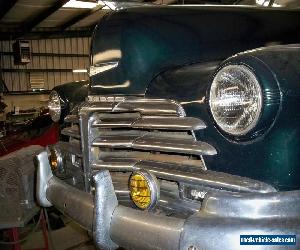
<point>196,101</point>
<point>102,67</point>
<point>112,86</point>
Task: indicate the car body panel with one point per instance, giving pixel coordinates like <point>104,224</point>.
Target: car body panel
<point>271,155</point>
<point>157,64</point>
<point>131,46</point>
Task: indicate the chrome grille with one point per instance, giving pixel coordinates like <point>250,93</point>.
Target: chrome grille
<point>72,132</point>
<point>136,129</point>
<point>127,134</point>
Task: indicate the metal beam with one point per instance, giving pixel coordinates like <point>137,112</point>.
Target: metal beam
<point>93,24</point>
<point>77,18</point>
<point>40,17</point>
<point>5,6</point>
<point>60,34</point>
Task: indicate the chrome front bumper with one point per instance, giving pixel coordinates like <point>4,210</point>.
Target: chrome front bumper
<point>219,223</point>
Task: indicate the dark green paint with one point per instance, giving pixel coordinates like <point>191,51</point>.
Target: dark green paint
<point>173,52</point>
<point>271,152</point>
<point>151,40</point>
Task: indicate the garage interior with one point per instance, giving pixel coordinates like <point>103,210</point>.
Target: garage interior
<point>44,44</point>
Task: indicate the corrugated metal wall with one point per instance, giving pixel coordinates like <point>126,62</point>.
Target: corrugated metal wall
<point>53,59</point>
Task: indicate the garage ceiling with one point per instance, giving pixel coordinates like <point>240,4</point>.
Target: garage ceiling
<point>47,18</point>
<point>36,19</point>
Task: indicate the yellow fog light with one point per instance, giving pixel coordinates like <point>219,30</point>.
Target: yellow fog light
<point>144,189</point>
<point>55,159</point>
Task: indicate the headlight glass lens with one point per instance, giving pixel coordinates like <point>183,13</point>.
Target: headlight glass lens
<point>54,106</point>
<point>235,99</point>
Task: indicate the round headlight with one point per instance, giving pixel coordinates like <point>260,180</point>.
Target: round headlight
<point>54,106</point>
<point>235,99</point>
<point>144,190</point>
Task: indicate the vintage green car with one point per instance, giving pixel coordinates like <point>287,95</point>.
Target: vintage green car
<point>187,135</point>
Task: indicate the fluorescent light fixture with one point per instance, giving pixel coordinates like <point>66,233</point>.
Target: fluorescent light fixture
<point>79,70</point>
<point>80,4</point>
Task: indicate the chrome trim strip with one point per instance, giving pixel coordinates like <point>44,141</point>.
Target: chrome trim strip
<point>150,108</point>
<point>102,98</point>
<point>254,206</point>
<point>123,165</point>
<point>124,156</point>
<point>85,122</point>
<point>152,122</point>
<point>144,106</point>
<point>184,174</point>
<point>156,143</point>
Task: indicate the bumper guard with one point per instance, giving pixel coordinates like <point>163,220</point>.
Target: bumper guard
<point>218,224</point>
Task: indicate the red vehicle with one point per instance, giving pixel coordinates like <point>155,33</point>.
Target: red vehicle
<point>40,131</point>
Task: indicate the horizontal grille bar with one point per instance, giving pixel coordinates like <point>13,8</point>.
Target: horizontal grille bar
<point>72,132</point>
<point>148,108</point>
<point>125,155</point>
<point>143,106</point>
<point>151,122</point>
<point>188,175</point>
<point>70,147</point>
<point>140,129</point>
<point>72,118</point>
<point>156,143</point>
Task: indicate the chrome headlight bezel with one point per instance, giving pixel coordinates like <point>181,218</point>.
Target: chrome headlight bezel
<point>242,88</point>
<point>55,106</point>
<point>271,97</point>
